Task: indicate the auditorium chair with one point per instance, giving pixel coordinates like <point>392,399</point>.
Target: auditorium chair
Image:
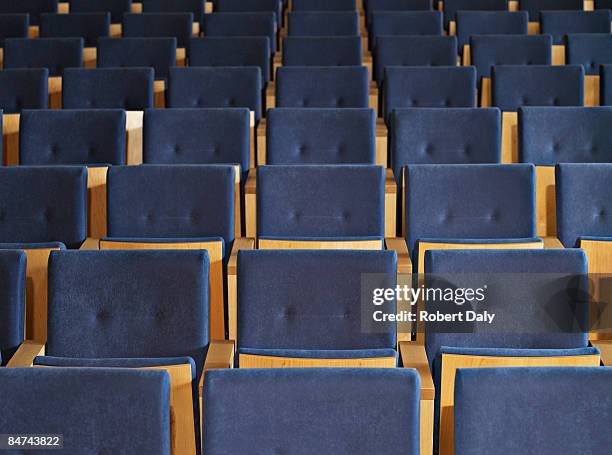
<point>321,51</point>
<point>33,8</point>
<point>157,53</point>
<point>591,51</point>
<point>12,26</point>
<point>44,209</point>
<point>283,400</point>
<point>242,24</point>
<point>428,86</point>
<point>388,23</point>
<point>538,299</point>
<point>324,5</point>
<point>55,54</point>
<point>150,310</point>
<point>484,398</point>
<point>372,6</point>
<point>488,23</point>
<point>23,89</point>
<point>116,8</point>
<point>323,23</point>
<point>535,7</point>
<point>94,410</point>
<point>89,26</point>
<point>251,6</point>
<point>562,23</point>
<point>12,302</point>
<point>451,7</point>
<point>605,85</point>
<point>515,86</point>
<point>196,7</point>
<point>544,141</point>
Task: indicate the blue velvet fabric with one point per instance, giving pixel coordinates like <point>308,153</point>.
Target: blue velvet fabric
<point>589,50</point>
<point>312,410</point>
<point>322,354</point>
<point>250,6</point>
<point>159,25</point>
<point>12,301</point>
<point>23,89</point>
<point>561,23</point>
<point>43,204</point>
<point>322,51</point>
<point>216,87</point>
<point>324,5</point>
<point>548,407</point>
<point>326,87</point>
<point>157,53</point>
<point>490,50</point>
<point>55,54</point>
<point>518,352</point>
<point>603,4</point>
<point>514,86</point>
<point>32,7</point>
<point>583,201</point>
<point>413,51</point>
<point>96,410</point>
<point>31,246</point>
<point>543,138</point>
<point>89,26</point>
<point>489,23</point>
<point>197,136</point>
<point>83,137</point>
<point>108,88</point>
<point>310,300</point>
<point>397,5</point>
<point>116,8</point>
<point>386,23</point>
<point>469,201</point>
<point>175,6</point>
<point>433,86</point>
<point>321,136</point>
<point>232,51</point>
<point>171,201</point>
<point>329,23</point>
<point>320,201</point>
<point>534,7</point>
<point>242,24</point>
<point>605,85</point>
<point>452,6</point>
<point>13,26</point>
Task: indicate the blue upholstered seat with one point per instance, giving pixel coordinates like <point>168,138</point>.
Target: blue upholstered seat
<point>328,23</point>
<point>451,7</point>
<point>159,25</point>
<point>534,7</point>
<point>175,6</point>
<point>489,23</point>
<point>397,5</point>
<point>583,202</point>
<point>543,138</point>
<point>13,26</point>
<point>55,54</point>
<point>242,24</point>
<point>23,89</point>
<point>108,88</point>
<point>89,26</point>
<point>322,51</point>
<point>514,86</point>
<point>116,8</point>
<point>589,50</point>
<point>386,23</point>
<point>324,5</point>
<point>250,6</point>
<point>157,53</point>
<point>321,136</point>
<point>12,301</point>
<point>326,87</point>
<point>130,410</point>
<point>605,85</point>
<point>561,23</point>
<point>282,400</point>
<point>33,8</point>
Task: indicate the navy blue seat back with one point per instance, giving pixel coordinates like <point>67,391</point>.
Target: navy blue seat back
<point>284,399</point>
<point>249,6</point>
<point>216,87</point>
<point>197,136</point>
<point>330,23</point>
<point>108,88</point>
<point>232,51</point>
<point>135,417</point>
<point>433,86</point>
<point>340,86</point>
<point>413,51</point>
<point>159,25</point>
<point>321,136</point>
<point>23,89</point>
<point>175,6</point>
<point>32,7</point>
<point>544,139</point>
<point>242,24</point>
<point>561,23</point>
<point>589,50</point>
<point>397,5</point>
<point>534,7</point>
<point>537,85</point>
<point>157,53</point>
<point>89,26</point>
<point>386,23</point>
<point>583,202</point>
<point>444,136</point>
<point>13,26</point>
<point>320,201</point>
<point>485,397</point>
<point>490,50</point>
<point>489,23</point>
<point>43,204</point>
<point>171,202</point>
<point>116,8</point>
<point>12,301</point>
<point>322,51</point>
<point>311,299</point>
<point>452,6</point>
<point>81,137</point>
<point>469,201</point>
<point>605,85</point>
<point>55,54</point>
<point>324,5</point>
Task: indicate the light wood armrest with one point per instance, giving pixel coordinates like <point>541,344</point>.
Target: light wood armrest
<point>552,242</point>
<point>90,244</point>
<point>250,204</point>
<point>24,357</point>
<point>398,244</point>
<point>413,356</point>
<point>239,244</point>
<point>220,355</point>
<point>605,347</point>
